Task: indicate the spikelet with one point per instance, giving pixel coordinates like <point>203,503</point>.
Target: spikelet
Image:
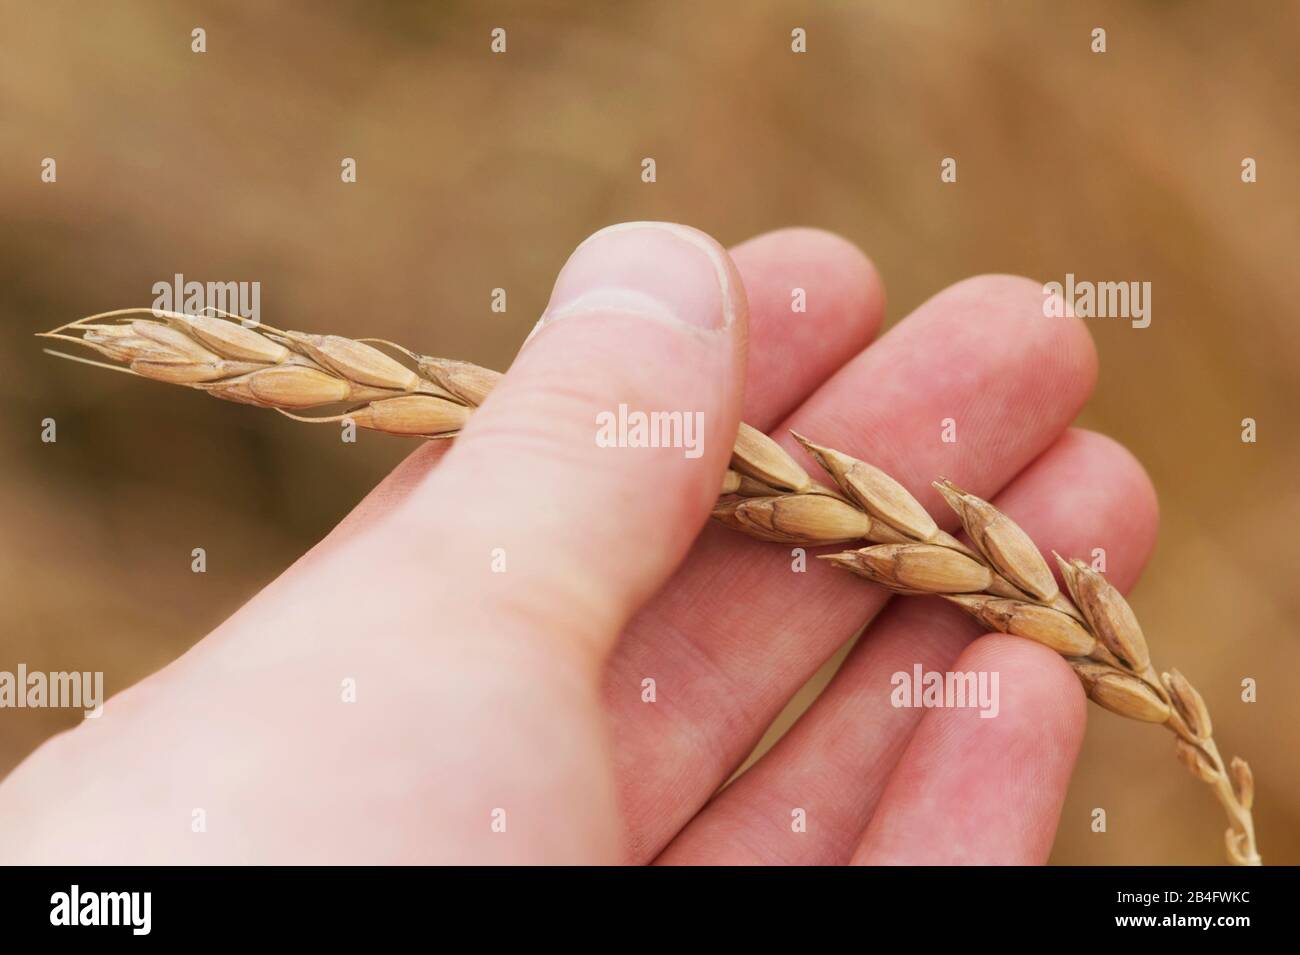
<point>1004,545</point>
<point>354,361</point>
<point>1189,704</point>
<point>192,373</point>
<point>1197,763</point>
<point>758,456</point>
<point>283,386</point>
<point>808,519</point>
<point>413,415</point>
<point>1120,692</point>
<point>229,338</point>
<point>140,341</point>
<point>1243,782</point>
<point>917,568</point>
<point>1053,629</point>
<point>1107,613</point>
<point>724,512</point>
<point>883,498</point>
<point>468,382</point>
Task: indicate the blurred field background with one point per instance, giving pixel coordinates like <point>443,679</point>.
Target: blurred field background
<point>477,171</point>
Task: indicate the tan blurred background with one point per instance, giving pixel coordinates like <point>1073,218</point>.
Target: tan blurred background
<point>478,171</point>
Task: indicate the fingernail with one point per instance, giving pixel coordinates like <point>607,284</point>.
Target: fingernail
<point>657,270</point>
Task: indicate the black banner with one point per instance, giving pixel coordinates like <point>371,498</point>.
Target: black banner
<point>136,905</point>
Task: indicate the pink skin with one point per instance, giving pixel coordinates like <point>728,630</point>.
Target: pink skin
<point>840,757</point>
<point>521,691</point>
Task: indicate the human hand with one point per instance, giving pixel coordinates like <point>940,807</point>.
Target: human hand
<point>485,697</point>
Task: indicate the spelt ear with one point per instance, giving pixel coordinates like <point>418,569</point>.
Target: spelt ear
<point>553,472</point>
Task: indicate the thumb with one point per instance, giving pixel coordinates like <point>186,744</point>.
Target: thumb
<point>581,482</point>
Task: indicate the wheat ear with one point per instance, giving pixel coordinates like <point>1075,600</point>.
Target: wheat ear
<point>1002,581</point>
<point>287,371</point>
